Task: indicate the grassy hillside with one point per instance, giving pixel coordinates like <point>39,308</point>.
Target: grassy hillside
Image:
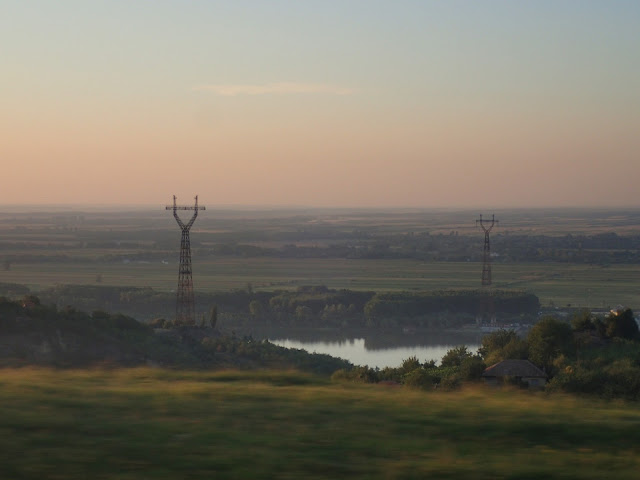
<point>155,423</point>
<point>35,334</point>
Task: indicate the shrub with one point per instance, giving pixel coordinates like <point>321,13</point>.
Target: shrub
<point>357,374</point>
<point>472,368</point>
<point>622,325</point>
<point>419,378</point>
<point>450,383</point>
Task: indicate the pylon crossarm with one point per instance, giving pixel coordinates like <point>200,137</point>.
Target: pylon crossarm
<point>175,209</point>
<point>481,222</point>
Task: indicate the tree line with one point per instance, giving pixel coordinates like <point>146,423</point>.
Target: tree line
<point>306,306</point>
<point>587,354</point>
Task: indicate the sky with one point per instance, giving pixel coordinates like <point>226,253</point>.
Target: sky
<point>359,103</point>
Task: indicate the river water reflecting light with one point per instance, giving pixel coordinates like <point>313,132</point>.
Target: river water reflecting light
<point>359,352</point>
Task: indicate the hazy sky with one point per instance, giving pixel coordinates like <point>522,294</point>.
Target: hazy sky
<point>321,103</point>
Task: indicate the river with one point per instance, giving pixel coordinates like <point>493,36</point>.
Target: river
<point>376,349</point>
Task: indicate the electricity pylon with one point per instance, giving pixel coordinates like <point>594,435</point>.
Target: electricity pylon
<point>185,302</point>
<point>486,257</point>
<point>488,307</point>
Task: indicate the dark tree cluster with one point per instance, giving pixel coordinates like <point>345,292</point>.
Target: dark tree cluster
<point>307,306</point>
<point>33,333</point>
<point>588,354</point>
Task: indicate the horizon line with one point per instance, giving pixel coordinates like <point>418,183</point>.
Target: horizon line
<point>275,206</point>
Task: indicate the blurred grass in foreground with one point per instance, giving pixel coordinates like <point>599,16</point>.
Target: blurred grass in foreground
<point>153,423</point>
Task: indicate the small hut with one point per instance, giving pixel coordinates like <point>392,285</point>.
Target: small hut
<point>521,371</point>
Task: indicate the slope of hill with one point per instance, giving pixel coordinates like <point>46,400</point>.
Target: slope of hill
<point>34,334</point>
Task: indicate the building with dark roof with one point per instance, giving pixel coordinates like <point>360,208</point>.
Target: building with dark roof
<point>520,371</point>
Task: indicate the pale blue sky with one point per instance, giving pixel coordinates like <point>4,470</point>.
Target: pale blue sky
<point>351,103</point>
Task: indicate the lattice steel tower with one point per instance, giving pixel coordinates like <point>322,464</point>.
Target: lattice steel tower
<point>185,303</point>
<point>487,307</point>
<point>486,258</point>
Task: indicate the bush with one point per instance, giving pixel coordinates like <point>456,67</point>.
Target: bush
<point>622,325</point>
<point>357,374</point>
<point>620,379</point>
<point>419,378</point>
<point>450,383</point>
<point>583,321</point>
<point>472,368</point>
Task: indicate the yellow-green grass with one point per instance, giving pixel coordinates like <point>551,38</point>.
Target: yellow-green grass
<point>146,423</point>
<point>554,283</point>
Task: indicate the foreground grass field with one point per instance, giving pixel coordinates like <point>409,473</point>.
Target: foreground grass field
<point>152,423</point>
<point>557,284</point>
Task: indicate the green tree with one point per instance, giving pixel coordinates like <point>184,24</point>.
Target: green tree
<point>516,349</point>
<point>455,357</point>
<point>623,325</point>
<point>410,364</point>
<point>496,341</point>
<point>548,339</point>
<point>471,368</point>
<point>583,321</point>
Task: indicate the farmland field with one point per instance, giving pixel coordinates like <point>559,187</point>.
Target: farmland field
<point>354,249</point>
<point>555,284</point>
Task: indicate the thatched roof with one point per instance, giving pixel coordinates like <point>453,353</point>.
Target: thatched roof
<point>514,368</point>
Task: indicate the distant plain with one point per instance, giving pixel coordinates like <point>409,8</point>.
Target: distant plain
<point>140,248</point>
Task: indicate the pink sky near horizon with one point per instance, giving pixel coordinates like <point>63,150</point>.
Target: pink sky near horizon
<point>417,104</point>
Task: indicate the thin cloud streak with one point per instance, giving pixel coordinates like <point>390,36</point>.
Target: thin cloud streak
<point>280,88</point>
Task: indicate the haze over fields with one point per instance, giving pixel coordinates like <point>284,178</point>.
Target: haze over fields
<point>361,103</point>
